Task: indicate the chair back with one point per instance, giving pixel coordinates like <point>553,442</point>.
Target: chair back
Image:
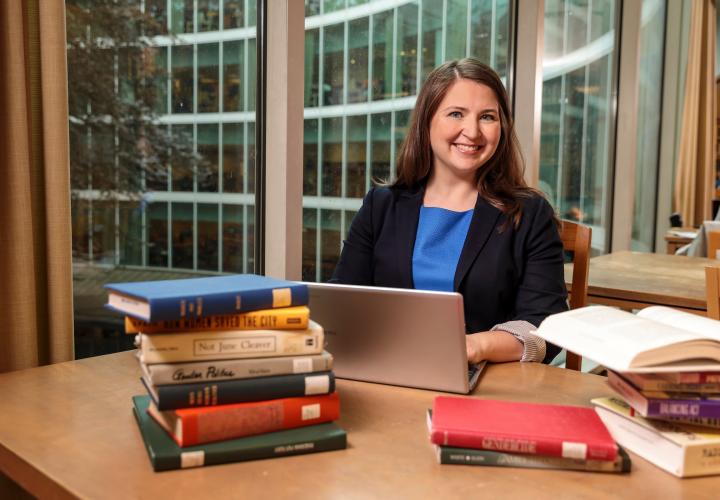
<point>712,291</point>
<point>576,239</point>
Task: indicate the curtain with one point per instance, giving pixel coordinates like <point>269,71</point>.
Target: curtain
<point>695,170</point>
<point>35,252</point>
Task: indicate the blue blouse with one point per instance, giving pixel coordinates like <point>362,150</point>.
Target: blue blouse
<point>439,240</point>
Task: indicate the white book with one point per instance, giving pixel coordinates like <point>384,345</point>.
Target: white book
<point>680,449</point>
<point>655,339</point>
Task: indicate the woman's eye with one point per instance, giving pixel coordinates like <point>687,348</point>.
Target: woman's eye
<point>488,117</point>
<point>455,114</point>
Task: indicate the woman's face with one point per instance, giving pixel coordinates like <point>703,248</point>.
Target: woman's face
<point>465,130</point>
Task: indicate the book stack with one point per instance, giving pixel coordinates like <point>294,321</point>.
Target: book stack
<point>469,431</point>
<point>233,367</point>
<point>664,365</point>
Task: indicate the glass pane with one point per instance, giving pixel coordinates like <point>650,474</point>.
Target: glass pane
<point>182,79</point>
<point>182,235</point>
<point>312,7</point>
<point>208,152</point>
<point>156,61</point>
<point>309,243</point>
<point>130,233</point>
<point>431,38</point>
<point>407,40</point>
<point>357,61</point>
<point>356,156</point>
<point>156,17</point>
<point>578,94</point>
<point>207,238</point>
<point>182,16</point>
<point>251,74</point>
<point>310,158</point>
<point>380,147</point>
<point>382,55</point>
<point>648,126</point>
<point>250,166</point>
<point>456,38</point>
<point>81,230</point>
<point>233,76</point>
<point>208,15</point>
<point>333,62</point>
<point>182,165</point>
<point>332,5</point>
<point>208,77</point>
<point>312,65</point>
<point>329,242</point>
<point>331,156</point>
<point>233,157</point>
<point>157,234</point>
<point>232,239</point>
<point>233,13</point>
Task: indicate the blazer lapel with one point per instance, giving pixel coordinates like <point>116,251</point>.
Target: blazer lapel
<point>407,215</point>
<point>484,219</point>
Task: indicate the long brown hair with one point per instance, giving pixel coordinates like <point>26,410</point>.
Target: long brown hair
<point>500,180</point>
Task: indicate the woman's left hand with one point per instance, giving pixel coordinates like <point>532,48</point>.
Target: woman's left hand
<point>495,346</point>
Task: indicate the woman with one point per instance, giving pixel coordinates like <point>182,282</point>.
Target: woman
<point>460,218</point>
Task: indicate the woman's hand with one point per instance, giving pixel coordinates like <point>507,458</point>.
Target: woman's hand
<point>497,346</point>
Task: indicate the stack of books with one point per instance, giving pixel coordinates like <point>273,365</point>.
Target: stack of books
<point>234,370</point>
<point>665,366</point>
<point>469,431</point>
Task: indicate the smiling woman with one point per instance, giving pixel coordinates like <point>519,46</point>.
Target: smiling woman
<point>460,218</point>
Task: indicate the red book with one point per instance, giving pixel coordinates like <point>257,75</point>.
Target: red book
<point>191,426</point>
<point>508,426</point>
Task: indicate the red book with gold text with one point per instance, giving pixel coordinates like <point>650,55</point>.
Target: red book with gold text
<point>513,427</point>
<point>192,426</point>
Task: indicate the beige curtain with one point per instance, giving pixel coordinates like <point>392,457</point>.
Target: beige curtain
<point>35,253</point>
<point>695,171</point>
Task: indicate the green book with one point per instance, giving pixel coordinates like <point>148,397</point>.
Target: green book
<point>165,454</point>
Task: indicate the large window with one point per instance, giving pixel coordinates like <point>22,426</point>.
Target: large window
<point>364,64</point>
<point>162,147</point>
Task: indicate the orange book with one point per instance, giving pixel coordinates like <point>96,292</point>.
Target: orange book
<point>192,426</point>
<point>283,318</point>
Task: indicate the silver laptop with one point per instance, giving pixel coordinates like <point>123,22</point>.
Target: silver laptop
<point>413,338</point>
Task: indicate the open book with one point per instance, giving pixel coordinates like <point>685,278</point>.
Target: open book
<point>655,339</point>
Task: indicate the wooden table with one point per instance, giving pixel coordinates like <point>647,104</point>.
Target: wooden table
<point>67,430</point>
<point>674,241</point>
<point>633,280</point>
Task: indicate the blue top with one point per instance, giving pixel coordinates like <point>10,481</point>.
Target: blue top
<point>439,240</point>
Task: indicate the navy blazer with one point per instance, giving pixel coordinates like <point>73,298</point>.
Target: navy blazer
<point>504,273</point>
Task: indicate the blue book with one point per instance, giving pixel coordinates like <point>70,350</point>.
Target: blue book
<point>196,297</point>
<point>165,454</point>
<point>225,392</point>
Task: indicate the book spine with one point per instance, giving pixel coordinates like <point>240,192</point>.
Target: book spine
<point>631,395</point>
<point>233,369</point>
<point>468,456</point>
<point>664,386</point>
<point>529,446</point>
<point>701,460</point>
<point>227,302</point>
<point>285,318</point>
<point>172,397</point>
<point>683,408</point>
<point>209,424</point>
<point>229,344</point>
<point>692,377</point>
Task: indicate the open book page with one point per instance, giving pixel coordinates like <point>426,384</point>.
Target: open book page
<point>609,336</point>
<point>693,323</point>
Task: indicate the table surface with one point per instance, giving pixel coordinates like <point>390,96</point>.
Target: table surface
<point>647,279</point>
<point>68,430</point>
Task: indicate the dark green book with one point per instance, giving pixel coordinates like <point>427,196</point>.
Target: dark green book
<point>165,454</point>
<point>469,456</point>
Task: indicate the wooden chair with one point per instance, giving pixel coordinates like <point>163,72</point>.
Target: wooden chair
<point>713,244</point>
<point>712,291</point>
<point>576,239</point>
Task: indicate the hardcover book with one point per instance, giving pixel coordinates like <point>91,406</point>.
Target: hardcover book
<point>470,456</point>
<point>192,426</point>
<point>165,454</point>
<point>230,344</point>
<point>682,450</point>
<point>283,318</point>
<point>656,339</point>
<point>666,404</point>
<point>707,383</point>
<point>231,369</point>
<point>171,397</point>
<point>528,428</point>
<point>196,297</point>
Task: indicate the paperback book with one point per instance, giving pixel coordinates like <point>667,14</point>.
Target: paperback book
<point>232,369</point>
<point>666,404</point>
<point>682,450</point>
<point>656,339</point>
<point>706,383</point>
<point>165,454</point>
<point>196,297</point>
<point>230,344</point>
<point>171,397</point>
<point>527,428</point>
<point>283,318</point>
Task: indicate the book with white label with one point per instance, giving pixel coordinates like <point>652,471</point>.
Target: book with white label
<point>230,344</point>
<point>680,449</point>
<point>656,339</point>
